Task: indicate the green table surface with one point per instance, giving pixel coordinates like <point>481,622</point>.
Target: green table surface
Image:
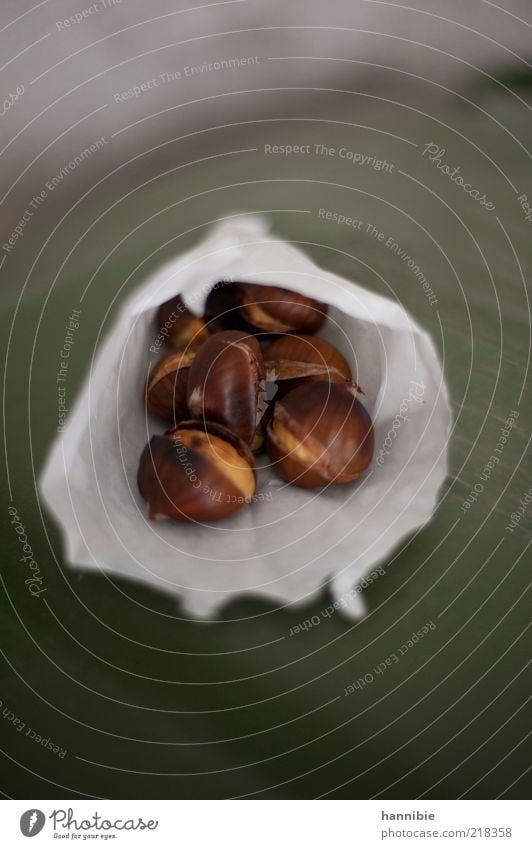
<point>140,701</point>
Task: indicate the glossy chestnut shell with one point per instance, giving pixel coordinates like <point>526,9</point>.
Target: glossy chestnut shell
<point>166,387</point>
<point>197,472</point>
<point>275,310</point>
<point>291,361</point>
<point>178,325</point>
<point>226,382</point>
<point>320,434</point>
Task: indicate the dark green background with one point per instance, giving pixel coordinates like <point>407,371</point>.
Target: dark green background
<point>149,704</point>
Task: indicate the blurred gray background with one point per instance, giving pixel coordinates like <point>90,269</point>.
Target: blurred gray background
<point>72,72</point>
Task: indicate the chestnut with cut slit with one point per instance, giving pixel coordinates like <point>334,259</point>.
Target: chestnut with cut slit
<point>275,310</point>
<point>166,387</point>
<point>197,472</point>
<point>178,325</point>
<point>291,361</point>
<point>320,434</point>
<point>226,383</point>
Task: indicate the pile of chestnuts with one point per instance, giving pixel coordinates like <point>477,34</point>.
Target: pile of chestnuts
<point>248,376</point>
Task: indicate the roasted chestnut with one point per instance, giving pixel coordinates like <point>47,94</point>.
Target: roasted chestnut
<point>197,472</point>
<point>166,387</point>
<point>320,434</point>
<point>178,325</point>
<point>226,383</point>
<point>276,310</point>
<point>291,361</point>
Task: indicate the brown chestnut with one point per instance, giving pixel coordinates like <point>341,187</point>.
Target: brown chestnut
<point>166,387</point>
<point>178,325</point>
<point>293,360</point>
<point>276,310</point>
<point>197,472</point>
<point>226,383</point>
<point>320,434</point>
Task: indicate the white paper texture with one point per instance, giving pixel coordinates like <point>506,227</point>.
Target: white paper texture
<point>288,546</point>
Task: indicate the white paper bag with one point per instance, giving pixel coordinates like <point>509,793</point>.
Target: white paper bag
<point>289,542</point>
